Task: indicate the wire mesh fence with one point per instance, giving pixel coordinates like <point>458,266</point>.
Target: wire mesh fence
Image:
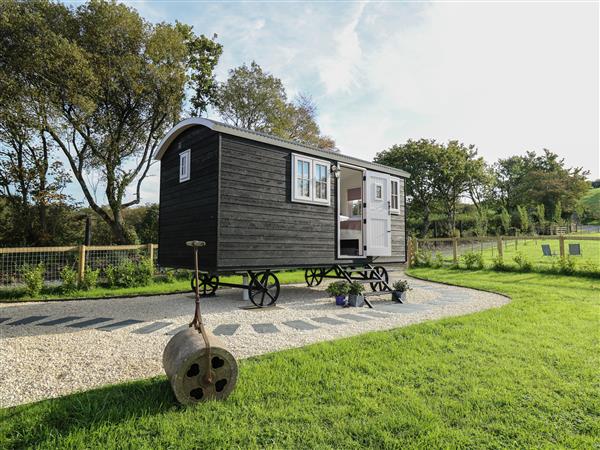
<point>13,261</point>
<point>540,251</point>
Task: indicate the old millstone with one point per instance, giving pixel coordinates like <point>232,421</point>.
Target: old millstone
<point>185,363</point>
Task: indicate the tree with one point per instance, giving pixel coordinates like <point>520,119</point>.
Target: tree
<point>557,213</point>
<point>106,85</point>
<point>540,211</point>
<point>523,218</point>
<point>254,99</point>
<point>505,220</point>
<point>420,158</point>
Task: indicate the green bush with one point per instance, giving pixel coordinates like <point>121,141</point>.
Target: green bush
<point>422,258</point>
<point>338,288</point>
<point>90,279</point>
<point>356,288</point>
<point>498,263</point>
<point>473,260</point>
<point>522,262</point>
<point>438,261</point>
<point>182,274</point>
<point>401,286</point>
<point>33,277</point>
<point>130,274</point>
<point>68,276</point>
<point>564,265</point>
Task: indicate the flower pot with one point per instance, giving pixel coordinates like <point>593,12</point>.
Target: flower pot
<point>399,296</point>
<point>356,300</point>
<point>340,300</point>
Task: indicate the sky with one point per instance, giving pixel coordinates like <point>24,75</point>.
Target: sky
<point>505,76</point>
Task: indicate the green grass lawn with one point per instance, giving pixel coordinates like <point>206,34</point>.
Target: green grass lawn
<point>156,288</point>
<point>524,375</point>
<point>591,202</point>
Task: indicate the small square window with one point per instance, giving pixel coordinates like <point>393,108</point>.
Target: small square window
<point>311,180</point>
<point>184,165</point>
<point>378,192</point>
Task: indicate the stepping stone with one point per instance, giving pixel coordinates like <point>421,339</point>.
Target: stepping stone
<point>117,325</point>
<point>265,328</point>
<point>300,325</point>
<point>89,323</point>
<point>4,319</point>
<point>177,330</point>
<point>328,320</point>
<point>59,321</point>
<point>226,329</point>
<point>375,314</point>
<point>151,328</point>
<point>403,308</point>
<point>354,317</point>
<point>27,320</point>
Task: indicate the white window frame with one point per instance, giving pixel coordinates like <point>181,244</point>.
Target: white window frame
<point>312,164</point>
<point>397,182</point>
<point>185,161</point>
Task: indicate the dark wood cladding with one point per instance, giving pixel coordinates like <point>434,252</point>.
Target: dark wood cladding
<point>259,225</point>
<point>189,210</point>
<point>238,200</point>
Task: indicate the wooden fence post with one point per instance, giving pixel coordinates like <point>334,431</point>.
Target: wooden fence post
<point>151,255</point>
<point>561,245</point>
<point>455,250</point>
<point>500,248</point>
<point>409,252</point>
<point>81,264</point>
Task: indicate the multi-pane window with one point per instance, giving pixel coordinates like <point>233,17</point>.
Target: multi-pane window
<point>310,180</point>
<point>184,165</point>
<point>395,195</point>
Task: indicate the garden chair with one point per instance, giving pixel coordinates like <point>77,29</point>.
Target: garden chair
<point>547,251</point>
<point>574,250</point>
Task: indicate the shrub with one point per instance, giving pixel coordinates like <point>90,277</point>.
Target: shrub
<point>68,276</point>
<point>169,277</point>
<point>144,272</point>
<point>338,288</point>
<point>590,267</point>
<point>564,265</point>
<point>90,279</point>
<point>423,258</point>
<point>401,286</point>
<point>33,276</point>
<point>473,260</point>
<point>355,288</point>
<point>110,273</point>
<point>498,263</point>
<point>438,260</point>
<point>522,262</point>
<point>182,274</point>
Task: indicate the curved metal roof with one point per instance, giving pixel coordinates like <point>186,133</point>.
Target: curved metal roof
<point>268,139</point>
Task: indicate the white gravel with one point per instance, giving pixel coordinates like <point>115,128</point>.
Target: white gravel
<point>41,362</point>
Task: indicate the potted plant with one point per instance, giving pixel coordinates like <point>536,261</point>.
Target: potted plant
<point>338,289</point>
<point>400,287</point>
<point>355,291</point>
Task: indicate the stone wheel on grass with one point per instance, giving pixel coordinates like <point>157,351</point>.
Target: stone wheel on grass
<point>208,284</point>
<point>313,277</point>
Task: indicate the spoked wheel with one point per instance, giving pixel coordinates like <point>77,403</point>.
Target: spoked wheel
<point>313,277</point>
<point>263,289</point>
<point>378,285</point>
<point>208,284</point>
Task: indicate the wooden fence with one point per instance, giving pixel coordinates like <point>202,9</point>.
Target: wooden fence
<point>499,242</point>
<point>12,259</point>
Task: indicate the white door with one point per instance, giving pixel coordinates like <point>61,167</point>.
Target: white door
<point>379,220</point>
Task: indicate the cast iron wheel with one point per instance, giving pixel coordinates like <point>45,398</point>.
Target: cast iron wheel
<point>313,277</point>
<point>208,284</point>
<point>379,286</point>
<point>263,289</point>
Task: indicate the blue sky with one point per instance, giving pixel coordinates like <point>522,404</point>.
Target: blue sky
<point>507,77</point>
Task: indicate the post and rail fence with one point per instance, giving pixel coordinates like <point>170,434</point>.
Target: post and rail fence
<point>451,249</point>
<point>78,257</point>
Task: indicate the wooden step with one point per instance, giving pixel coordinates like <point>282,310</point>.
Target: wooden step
<point>377,294</point>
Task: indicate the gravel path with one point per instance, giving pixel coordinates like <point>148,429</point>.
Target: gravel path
<point>49,349</point>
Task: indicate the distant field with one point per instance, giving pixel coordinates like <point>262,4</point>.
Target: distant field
<point>591,202</point>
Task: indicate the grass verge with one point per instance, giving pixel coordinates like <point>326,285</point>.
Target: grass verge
<point>524,375</point>
<point>9,295</point>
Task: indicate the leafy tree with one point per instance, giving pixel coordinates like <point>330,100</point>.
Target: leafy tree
<point>540,211</point>
<point>505,220</point>
<point>420,158</point>
<point>557,213</point>
<point>106,86</point>
<point>523,218</point>
<point>254,99</point>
